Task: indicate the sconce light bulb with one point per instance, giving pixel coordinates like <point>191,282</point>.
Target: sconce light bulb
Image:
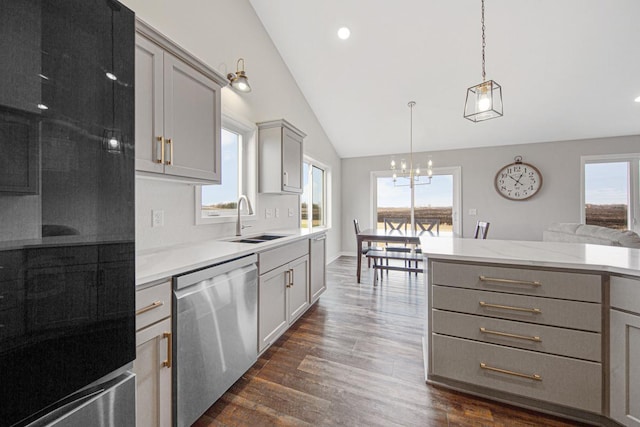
<point>111,76</point>
<point>113,142</point>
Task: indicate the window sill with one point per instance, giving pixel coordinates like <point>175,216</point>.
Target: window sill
<point>223,219</point>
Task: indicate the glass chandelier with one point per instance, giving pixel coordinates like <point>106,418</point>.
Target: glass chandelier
<point>484,100</point>
<point>405,174</point>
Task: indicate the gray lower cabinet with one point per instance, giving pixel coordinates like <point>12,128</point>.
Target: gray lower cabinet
<point>178,111</point>
<point>624,374</point>
<point>530,336</point>
<point>318,261</point>
<point>153,364</point>
<point>283,290</point>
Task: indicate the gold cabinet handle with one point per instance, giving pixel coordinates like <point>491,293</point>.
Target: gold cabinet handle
<point>291,277</point>
<point>508,307</point>
<point>169,142</point>
<point>159,139</point>
<point>168,362</point>
<point>508,335</point>
<point>534,377</point>
<point>509,281</point>
<point>288,277</point>
<point>150,307</point>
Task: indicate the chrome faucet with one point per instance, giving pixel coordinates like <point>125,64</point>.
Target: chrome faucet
<point>239,225</point>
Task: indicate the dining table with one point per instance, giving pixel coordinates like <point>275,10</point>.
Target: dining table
<point>379,235</point>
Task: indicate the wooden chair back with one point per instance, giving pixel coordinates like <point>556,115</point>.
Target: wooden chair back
<point>426,225</point>
<point>482,228</point>
<point>395,224</point>
<point>356,226</point>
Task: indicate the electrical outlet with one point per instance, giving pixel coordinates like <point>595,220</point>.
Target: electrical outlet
<point>277,212</point>
<point>291,212</point>
<point>268,213</point>
<point>473,212</point>
<point>157,218</point>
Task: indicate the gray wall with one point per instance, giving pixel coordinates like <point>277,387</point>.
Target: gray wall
<point>218,33</point>
<point>557,201</point>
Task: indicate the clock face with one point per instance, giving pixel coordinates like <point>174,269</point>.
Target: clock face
<point>518,181</point>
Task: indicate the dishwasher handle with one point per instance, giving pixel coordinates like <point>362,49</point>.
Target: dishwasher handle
<point>188,279</point>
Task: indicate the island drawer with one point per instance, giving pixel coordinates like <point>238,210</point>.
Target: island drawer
<point>153,304</point>
<point>625,294</point>
<point>528,336</point>
<point>274,258</point>
<point>546,311</point>
<point>561,380</point>
<point>551,284</point>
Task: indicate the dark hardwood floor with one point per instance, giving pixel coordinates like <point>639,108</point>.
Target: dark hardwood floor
<point>355,359</point>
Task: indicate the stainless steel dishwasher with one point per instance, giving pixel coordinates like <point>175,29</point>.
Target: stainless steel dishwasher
<point>216,333</point>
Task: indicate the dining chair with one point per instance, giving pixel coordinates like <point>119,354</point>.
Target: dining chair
<point>482,228</point>
<point>364,249</point>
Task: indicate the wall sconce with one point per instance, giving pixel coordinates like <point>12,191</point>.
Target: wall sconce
<point>239,80</point>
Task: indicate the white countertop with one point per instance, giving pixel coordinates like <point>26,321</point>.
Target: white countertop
<point>610,259</point>
<point>162,263</point>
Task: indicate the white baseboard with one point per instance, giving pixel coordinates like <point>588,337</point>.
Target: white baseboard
<point>352,254</point>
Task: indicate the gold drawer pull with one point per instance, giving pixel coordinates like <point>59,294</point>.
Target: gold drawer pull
<point>508,307</point>
<point>167,363</point>
<point>159,139</point>
<point>534,377</point>
<point>150,307</point>
<point>509,281</point>
<point>169,142</point>
<point>506,334</point>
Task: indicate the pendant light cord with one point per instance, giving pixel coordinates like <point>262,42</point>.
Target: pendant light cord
<point>113,82</point>
<point>484,44</point>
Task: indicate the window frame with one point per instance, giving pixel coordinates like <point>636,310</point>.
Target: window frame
<point>633,159</point>
<point>248,177</point>
<point>455,171</point>
<point>326,195</point>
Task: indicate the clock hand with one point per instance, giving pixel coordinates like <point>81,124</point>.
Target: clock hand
<point>519,178</point>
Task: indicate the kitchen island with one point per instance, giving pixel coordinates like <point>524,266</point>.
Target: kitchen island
<point>549,326</point>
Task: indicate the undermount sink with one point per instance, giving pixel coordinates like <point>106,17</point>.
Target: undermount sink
<point>258,239</point>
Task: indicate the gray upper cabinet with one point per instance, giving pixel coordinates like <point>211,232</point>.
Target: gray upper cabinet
<point>280,157</point>
<point>178,111</point>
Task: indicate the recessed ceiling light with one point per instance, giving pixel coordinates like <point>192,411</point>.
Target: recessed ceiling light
<point>637,99</point>
<point>344,33</point>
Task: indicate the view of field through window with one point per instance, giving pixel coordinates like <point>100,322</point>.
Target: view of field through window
<point>313,194</point>
<point>606,189</point>
<point>223,199</point>
<point>432,201</point>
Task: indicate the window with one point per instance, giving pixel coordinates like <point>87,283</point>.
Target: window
<point>611,196</point>
<point>218,203</point>
<point>313,201</point>
<point>438,200</point>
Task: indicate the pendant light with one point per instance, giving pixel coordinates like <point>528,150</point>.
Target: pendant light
<point>484,100</point>
<point>410,176</point>
<point>112,138</point>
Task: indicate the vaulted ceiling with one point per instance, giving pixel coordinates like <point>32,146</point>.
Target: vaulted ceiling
<point>570,69</point>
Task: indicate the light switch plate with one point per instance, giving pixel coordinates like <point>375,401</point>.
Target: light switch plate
<point>268,213</point>
<point>277,212</point>
<point>473,212</point>
<point>291,213</point>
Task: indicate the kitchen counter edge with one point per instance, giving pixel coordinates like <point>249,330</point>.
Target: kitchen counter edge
<point>580,256</point>
<point>153,265</point>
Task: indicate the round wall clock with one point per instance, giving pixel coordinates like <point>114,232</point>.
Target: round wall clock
<point>518,180</point>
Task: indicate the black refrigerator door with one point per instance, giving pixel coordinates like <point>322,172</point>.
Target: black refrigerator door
<point>67,252</point>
